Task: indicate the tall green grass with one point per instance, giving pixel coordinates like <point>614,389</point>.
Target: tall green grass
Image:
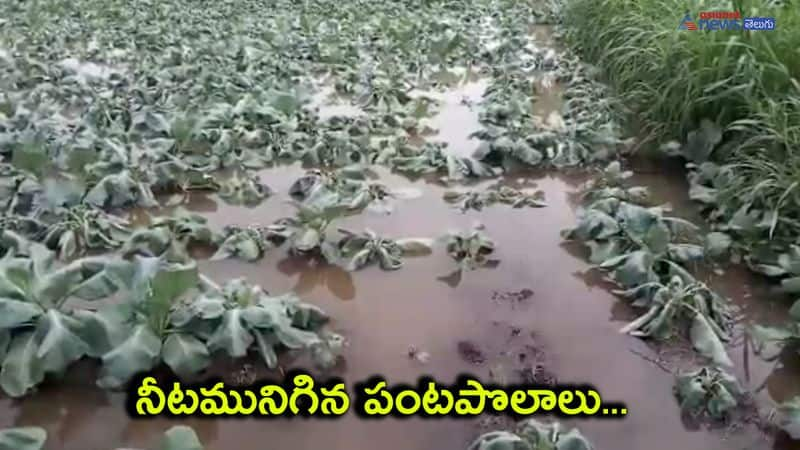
<point>745,81</point>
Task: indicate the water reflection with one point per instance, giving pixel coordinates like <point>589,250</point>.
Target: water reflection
<point>315,271</point>
<point>453,279</point>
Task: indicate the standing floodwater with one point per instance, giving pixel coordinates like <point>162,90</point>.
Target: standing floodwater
<point>208,110</point>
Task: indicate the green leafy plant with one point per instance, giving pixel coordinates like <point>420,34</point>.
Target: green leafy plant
<point>708,391</point>
<point>170,236</point>
<point>432,159</point>
<point>243,316</point>
<point>533,435</point>
<point>243,189</point>
<point>39,334</point>
<point>248,243</point>
<point>477,200</point>
<point>137,334</point>
<point>307,230</point>
<point>677,302</point>
<point>346,188</point>
<point>635,243</point>
<point>85,228</point>
<point>790,417</point>
<point>611,182</point>
<point>356,250</point>
<point>469,248</point>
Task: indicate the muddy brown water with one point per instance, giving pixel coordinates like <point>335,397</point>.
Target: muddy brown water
<point>572,322</point>
<point>538,307</point>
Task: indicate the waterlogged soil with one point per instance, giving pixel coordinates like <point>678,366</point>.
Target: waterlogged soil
<point>536,314</point>
<point>539,316</point>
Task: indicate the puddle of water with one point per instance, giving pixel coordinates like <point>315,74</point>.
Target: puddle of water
<point>548,101</point>
<point>457,117</point>
<point>563,314</point>
<point>384,313</point>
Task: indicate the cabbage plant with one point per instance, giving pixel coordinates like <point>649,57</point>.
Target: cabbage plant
<point>708,391</point>
<point>533,435</point>
<point>356,250</point>
<point>39,332</point>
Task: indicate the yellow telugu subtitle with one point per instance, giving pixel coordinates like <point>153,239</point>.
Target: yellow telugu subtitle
<point>300,395</point>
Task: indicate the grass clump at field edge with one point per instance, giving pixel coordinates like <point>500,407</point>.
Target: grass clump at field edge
<point>743,82</point>
<point>733,98</point>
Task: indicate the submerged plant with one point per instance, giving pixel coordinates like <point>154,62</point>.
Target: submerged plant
<point>678,302</point>
<point>358,250</point>
<point>433,159</point>
<point>170,236</point>
<point>248,243</point>
<point>637,244</point>
<point>469,248</point>
<point>346,188</point>
<point>137,334</point>
<point>708,390</point>
<point>307,230</point>
<point>243,189</point>
<point>242,316</point>
<point>611,182</point>
<point>533,435</point>
<point>477,200</point>
<point>85,228</point>
<point>161,321</point>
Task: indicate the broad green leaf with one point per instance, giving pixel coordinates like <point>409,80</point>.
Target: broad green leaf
<point>415,246</point>
<point>101,277</point>
<point>691,392</point>
<point>104,329</point>
<point>207,307</point>
<point>307,239</point>
<point>185,354</point>
<point>721,403</point>
<point>790,417</point>
<point>14,313</point>
<point>139,353</point>
<point>296,338</point>
<point>706,341</point>
<point>21,368</point>
<point>24,438</point>
<point>600,251</point>
<point>636,269</point>
<point>180,437</point>
<point>173,282</point>
<point>685,253</point>
<point>231,336</point>
<point>60,345</point>
<point>572,440</point>
<point>266,342</point>
<point>717,244</point>
<point>791,285</point>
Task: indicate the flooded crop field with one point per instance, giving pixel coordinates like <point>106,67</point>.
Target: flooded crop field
<point>401,189</point>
